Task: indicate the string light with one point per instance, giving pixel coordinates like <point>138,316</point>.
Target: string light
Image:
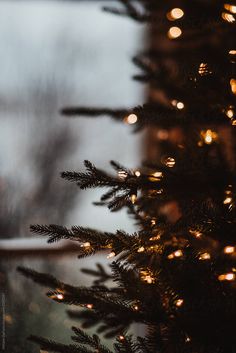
<point>131,119</point>
<point>133,198</point>
<point>177,253</point>
<point>233,85</point>
<point>229,249</point>
<point>153,222</point>
<point>228,17</point>
<point>85,245</point>
<point>187,339</point>
<point>141,249</point>
<point>180,105</point>
<point>121,338</point>
<point>230,112</point>
<point>177,104</point>
<point>205,256</point>
<point>136,307</point>
<point>179,302</point>
<point>228,196</point>
<point>232,55</point>
<point>226,277</point>
<point>59,296</point>
<point>195,233</point>
<point>89,306</point>
<point>112,254</point>
<point>230,8</point>
<point>170,162</point>
<point>174,32</point>
<point>122,174</point>
<point>156,237</point>
<point>162,134</point>
<point>209,136</point>
<point>204,69</point>
<point>227,200</point>
<point>158,174</point>
<point>175,14</point>
<point>149,279</point>
<point>137,173</point>
<point>146,276</point>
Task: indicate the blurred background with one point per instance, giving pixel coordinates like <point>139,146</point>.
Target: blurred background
<point>57,53</point>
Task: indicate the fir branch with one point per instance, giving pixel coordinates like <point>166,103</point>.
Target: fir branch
<point>53,346</point>
<point>130,11</point>
<point>43,279</point>
<point>101,275</point>
<point>54,231</point>
<point>92,112</point>
<point>92,341</point>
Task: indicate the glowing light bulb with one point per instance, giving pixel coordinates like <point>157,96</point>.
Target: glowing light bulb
<point>232,52</point>
<point>156,237</point>
<point>180,105</point>
<point>170,162</point>
<point>137,173</point>
<point>209,136</point>
<point>133,198</point>
<point>179,302</point>
<point>229,249</point>
<point>122,174</point>
<point>226,277</point>
<point>121,338</point>
<point>227,200</point>
<point>112,254</point>
<point>149,279</point>
<point>146,277</point>
<point>228,17</point>
<point>230,113</point>
<point>204,69</point>
<point>195,233</point>
<point>158,175</point>
<point>205,256</point>
<point>89,306</point>
<point>162,134</point>
<point>233,85</point>
<point>131,119</point>
<point>175,14</point>
<point>60,296</point>
<point>174,32</point>
<point>177,253</point>
<point>136,307</point>
<point>141,249</point>
<point>85,245</point>
<point>230,8</point>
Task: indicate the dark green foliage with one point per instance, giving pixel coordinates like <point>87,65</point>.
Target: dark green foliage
<point>176,275</point>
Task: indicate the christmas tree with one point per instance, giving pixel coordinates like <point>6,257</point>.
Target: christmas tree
<point>177,274</point>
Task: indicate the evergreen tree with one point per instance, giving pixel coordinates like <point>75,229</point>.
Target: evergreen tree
<point>177,274</point>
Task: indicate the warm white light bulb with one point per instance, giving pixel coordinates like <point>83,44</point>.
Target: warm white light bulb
<point>60,296</point>
<point>229,249</point>
<point>131,119</point>
<point>174,32</point>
